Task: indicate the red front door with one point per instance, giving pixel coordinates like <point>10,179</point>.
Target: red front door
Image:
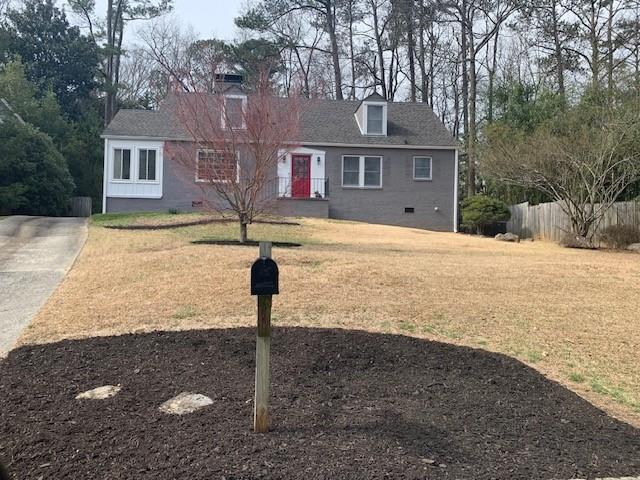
<point>301,176</point>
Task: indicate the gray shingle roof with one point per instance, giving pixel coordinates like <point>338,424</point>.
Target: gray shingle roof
<point>323,121</point>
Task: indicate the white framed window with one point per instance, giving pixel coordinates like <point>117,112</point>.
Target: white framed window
<point>362,171</point>
<point>147,164</point>
<point>374,119</point>
<point>234,108</point>
<point>215,166</point>
<point>422,168</point>
<point>122,164</point>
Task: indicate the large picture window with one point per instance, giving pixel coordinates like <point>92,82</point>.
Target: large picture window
<point>122,164</point>
<point>422,168</point>
<point>362,171</point>
<point>215,166</point>
<point>146,165</point>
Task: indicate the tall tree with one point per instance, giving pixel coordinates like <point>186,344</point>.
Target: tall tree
<point>55,54</point>
<point>480,22</point>
<point>323,12</point>
<point>110,32</point>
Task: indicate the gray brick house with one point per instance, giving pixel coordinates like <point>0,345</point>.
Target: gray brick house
<point>371,160</point>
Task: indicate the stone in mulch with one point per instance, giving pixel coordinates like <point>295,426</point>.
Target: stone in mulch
<point>184,403</point>
<point>100,393</point>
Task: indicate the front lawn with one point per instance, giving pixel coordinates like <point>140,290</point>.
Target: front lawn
<point>571,314</point>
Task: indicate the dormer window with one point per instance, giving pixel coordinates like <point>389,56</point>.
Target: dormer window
<point>372,115</point>
<point>375,118</point>
<point>234,106</point>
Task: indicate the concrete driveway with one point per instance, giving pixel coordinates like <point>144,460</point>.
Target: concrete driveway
<point>35,254</point>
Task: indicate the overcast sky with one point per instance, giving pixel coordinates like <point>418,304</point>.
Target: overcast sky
<point>209,18</point>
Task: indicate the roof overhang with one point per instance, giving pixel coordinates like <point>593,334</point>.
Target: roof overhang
<point>381,145</point>
<point>142,137</point>
<point>301,143</point>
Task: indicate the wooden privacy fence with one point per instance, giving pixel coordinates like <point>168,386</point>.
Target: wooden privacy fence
<point>80,207</point>
<point>547,221</point>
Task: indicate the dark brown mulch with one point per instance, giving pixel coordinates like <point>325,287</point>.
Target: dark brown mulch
<point>248,243</point>
<point>165,226</point>
<point>345,405</point>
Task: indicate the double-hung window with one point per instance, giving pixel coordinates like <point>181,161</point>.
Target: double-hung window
<point>215,166</point>
<point>122,164</point>
<point>375,118</point>
<point>363,171</point>
<point>422,168</point>
<point>147,165</point>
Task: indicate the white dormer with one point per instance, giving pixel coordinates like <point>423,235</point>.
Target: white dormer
<point>372,115</point>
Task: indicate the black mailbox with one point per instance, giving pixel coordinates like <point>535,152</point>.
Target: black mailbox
<point>264,277</point>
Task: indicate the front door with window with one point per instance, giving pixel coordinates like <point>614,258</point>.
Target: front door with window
<point>301,176</point>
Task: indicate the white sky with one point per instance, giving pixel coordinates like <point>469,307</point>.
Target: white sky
<point>208,18</point>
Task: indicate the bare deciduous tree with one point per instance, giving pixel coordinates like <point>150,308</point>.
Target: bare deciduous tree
<point>234,151</point>
<point>585,164</point>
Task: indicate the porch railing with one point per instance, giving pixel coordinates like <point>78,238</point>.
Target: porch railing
<point>303,187</point>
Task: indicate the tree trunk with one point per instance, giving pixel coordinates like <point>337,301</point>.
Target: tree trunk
<point>465,74</point>
<point>331,30</point>
<point>471,137</point>
<point>411,49</point>
<point>377,35</point>
<point>492,76</point>
<point>352,93</point>
<point>558,50</point>
<point>243,229</point>
<point>610,52</point>
<point>422,54</point>
<point>109,65</point>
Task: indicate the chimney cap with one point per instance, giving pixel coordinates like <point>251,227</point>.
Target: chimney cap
<point>229,78</point>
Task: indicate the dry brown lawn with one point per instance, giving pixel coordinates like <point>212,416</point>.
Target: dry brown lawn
<point>574,315</point>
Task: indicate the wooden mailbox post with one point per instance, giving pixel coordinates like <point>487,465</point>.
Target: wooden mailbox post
<point>264,284</point>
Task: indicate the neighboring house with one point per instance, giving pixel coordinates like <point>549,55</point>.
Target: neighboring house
<point>371,160</point>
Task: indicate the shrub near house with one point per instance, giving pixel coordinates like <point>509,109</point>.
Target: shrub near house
<point>34,178</point>
<point>481,211</point>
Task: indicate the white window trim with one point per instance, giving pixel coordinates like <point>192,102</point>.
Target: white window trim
<point>201,180</point>
<point>365,120</point>
<point>361,184</point>
<point>244,109</point>
<point>423,179</point>
<point>137,177</point>
<point>131,178</point>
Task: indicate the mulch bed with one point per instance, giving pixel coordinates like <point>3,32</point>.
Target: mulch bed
<point>248,243</point>
<point>165,226</point>
<point>345,405</point>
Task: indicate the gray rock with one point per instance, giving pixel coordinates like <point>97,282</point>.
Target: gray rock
<point>634,247</point>
<point>508,237</point>
<point>571,240</point>
<point>184,403</point>
<point>100,393</point>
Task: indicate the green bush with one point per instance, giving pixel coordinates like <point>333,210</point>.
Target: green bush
<point>620,236</point>
<point>480,211</point>
<point>34,178</point>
